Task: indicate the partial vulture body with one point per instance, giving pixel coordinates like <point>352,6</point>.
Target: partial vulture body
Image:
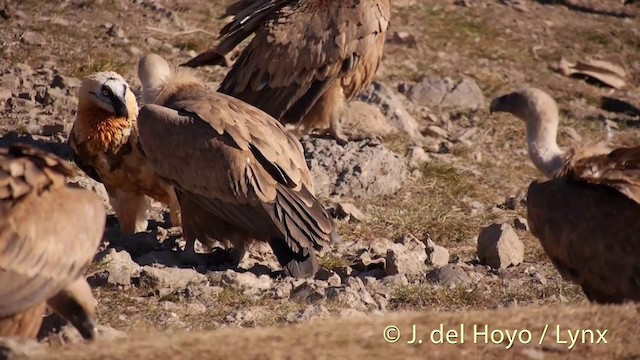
<point>239,175</point>
<point>102,141</point>
<point>588,223</point>
<point>49,234</point>
<point>308,57</point>
<point>587,216</point>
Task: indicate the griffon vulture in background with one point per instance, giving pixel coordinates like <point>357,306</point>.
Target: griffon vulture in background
<point>587,215</point>
<point>307,58</point>
<point>103,140</point>
<point>49,234</point>
<point>239,175</point>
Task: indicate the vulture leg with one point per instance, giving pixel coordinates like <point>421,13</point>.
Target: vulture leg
<point>189,256</point>
<point>174,208</point>
<point>131,210</point>
<point>25,324</point>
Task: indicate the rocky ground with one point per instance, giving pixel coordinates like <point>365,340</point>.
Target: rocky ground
<point>432,215</point>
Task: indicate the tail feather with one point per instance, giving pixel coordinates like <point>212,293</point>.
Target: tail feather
<point>294,265</point>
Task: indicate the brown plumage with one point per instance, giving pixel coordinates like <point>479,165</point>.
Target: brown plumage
<point>239,175</point>
<point>306,59</point>
<point>586,216</point>
<point>48,236</point>
<point>102,141</point>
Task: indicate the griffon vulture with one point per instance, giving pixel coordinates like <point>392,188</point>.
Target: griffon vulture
<point>239,175</point>
<point>307,58</point>
<point>586,215</point>
<point>49,234</point>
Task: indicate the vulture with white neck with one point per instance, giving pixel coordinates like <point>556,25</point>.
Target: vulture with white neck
<point>587,215</point>
<point>239,174</point>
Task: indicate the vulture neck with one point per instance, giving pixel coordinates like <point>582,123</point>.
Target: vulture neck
<point>544,151</point>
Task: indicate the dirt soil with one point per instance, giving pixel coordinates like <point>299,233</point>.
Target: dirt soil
<point>464,187</point>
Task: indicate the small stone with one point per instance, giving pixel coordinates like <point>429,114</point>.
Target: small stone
<point>32,38</point>
<point>449,275</point>
<point>245,280</point>
<point>5,94</point>
<point>349,211</point>
<point>115,31</point>
<point>307,293</point>
<point>499,246</point>
<point>117,269</point>
<point>521,224</point>
<point>416,156</point>
<point>437,255</point>
<point>395,281</point>
<point>170,278</point>
<point>404,38</point>
<point>65,82</point>
<point>407,256</point>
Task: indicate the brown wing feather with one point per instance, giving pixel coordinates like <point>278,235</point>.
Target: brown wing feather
<point>619,169</point>
<point>242,163</point>
<point>303,47</point>
<point>48,232</point>
<point>591,233</point>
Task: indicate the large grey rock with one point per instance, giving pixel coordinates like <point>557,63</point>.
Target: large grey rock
<point>499,246</point>
<point>389,103</point>
<point>356,170</point>
<point>446,93</point>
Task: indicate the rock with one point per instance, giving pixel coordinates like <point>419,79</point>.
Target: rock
<point>32,38</point>
<point>170,278</point>
<point>395,281</point>
<point>5,94</point>
<point>465,95</point>
<point>431,91</point>
<point>353,294</point>
<point>403,38</point>
<point>351,314</point>
<point>9,82</point>
<point>389,103</point>
<point>307,293</point>
<point>368,119</point>
<point>116,269</point>
<point>446,93</point>
<point>449,275</point>
<point>521,224</point>
<point>311,312</point>
<point>65,82</point>
<point>437,255</point>
<point>245,280</point>
<point>115,31</point>
<point>356,170</point>
<point>347,211</point>
<point>407,256</point>
<point>367,261</point>
<point>416,156</point>
<point>499,246</point>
